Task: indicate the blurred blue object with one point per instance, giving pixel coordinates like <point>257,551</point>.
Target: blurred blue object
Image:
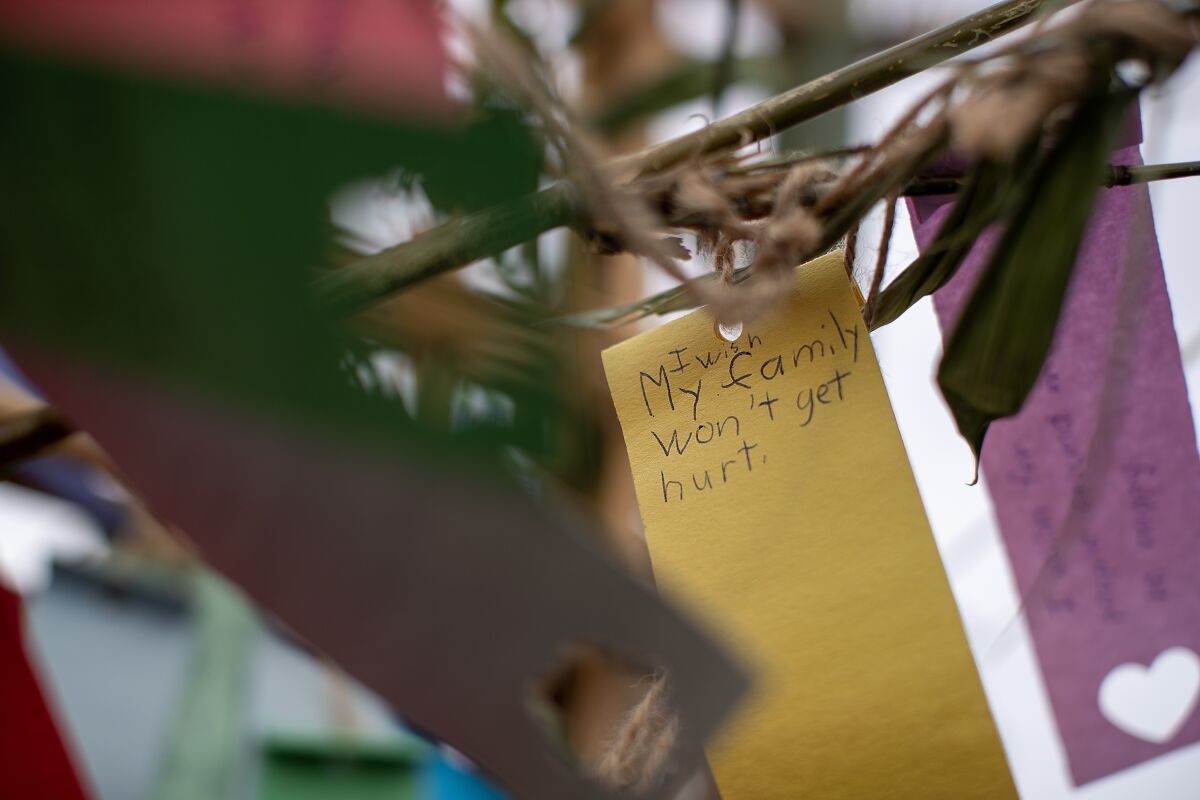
<point>64,477</point>
<point>451,778</point>
<point>9,370</point>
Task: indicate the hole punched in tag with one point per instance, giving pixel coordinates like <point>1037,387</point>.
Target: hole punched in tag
<point>728,333</point>
<point>723,264</point>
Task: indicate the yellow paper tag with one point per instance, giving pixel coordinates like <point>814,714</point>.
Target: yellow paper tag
<point>780,507</point>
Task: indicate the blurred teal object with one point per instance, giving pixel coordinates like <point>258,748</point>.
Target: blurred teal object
<point>448,780</point>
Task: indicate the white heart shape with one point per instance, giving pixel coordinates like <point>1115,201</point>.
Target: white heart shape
<point>1152,703</point>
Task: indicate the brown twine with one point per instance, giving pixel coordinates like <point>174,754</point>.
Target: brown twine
<point>1149,23</point>
<point>885,244</point>
<point>884,155</point>
<point>851,250</point>
<point>1009,105</point>
<point>643,741</point>
<point>723,260</point>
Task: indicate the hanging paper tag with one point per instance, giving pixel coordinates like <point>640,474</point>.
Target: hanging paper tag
<point>1112,599</point>
<point>779,505</point>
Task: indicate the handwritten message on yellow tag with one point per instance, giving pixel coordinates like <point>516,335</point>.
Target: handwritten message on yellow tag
<point>780,507</point>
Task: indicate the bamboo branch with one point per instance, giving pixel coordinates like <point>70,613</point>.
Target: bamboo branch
<point>444,248</point>
<point>838,88</point>
<point>1127,176</point>
<point>488,232</point>
<point>1117,175</point>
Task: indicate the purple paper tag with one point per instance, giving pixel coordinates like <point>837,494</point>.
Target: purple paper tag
<point>1105,546</point>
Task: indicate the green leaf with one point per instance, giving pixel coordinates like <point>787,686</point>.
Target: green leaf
<point>996,352</point>
<point>978,205</point>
